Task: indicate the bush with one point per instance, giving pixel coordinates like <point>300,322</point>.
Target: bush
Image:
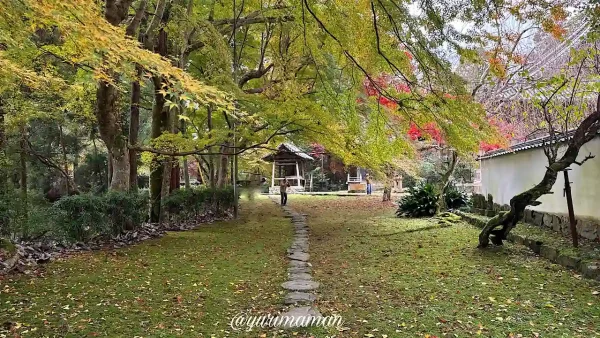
<point>81,217</point>
<point>454,198</point>
<point>40,221</point>
<point>187,203</point>
<point>421,201</point>
<point>86,216</point>
<point>126,211</point>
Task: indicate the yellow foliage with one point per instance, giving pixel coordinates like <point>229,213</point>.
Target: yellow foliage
<point>88,41</point>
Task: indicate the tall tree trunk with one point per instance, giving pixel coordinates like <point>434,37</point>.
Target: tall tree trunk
<point>174,179</point>
<point>584,133</point>
<point>165,186</point>
<point>107,113</point>
<point>175,175</point>
<point>157,166</point>
<point>168,165</point>
<point>186,174</point>
<point>111,133</point>
<point>134,123</point>
<point>64,158</point>
<point>387,191</point>
<point>23,173</point>
<point>134,129</point>
<point>109,169</point>
<point>211,158</point>
<point>156,40</point>
<point>3,172</point>
<point>222,168</point>
<point>121,169</point>
<point>441,202</point>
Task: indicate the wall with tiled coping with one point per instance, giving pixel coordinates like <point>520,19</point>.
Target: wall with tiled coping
<point>588,228</point>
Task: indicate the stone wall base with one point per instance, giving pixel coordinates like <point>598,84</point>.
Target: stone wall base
<point>587,228</point>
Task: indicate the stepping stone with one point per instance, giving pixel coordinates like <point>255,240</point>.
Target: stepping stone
<point>299,297</point>
<point>301,285</point>
<point>299,256</point>
<point>293,250</point>
<point>300,242</point>
<point>298,264</point>
<point>299,317</point>
<point>298,248</point>
<point>305,269</point>
<point>299,276</point>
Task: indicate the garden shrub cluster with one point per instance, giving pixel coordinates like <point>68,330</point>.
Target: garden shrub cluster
<point>86,216</point>
<point>455,198</point>
<point>187,203</point>
<point>422,199</point>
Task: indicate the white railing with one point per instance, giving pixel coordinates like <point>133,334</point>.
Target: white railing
<point>354,179</point>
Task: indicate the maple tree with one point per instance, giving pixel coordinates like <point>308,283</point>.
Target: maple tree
<point>160,81</point>
<point>545,88</point>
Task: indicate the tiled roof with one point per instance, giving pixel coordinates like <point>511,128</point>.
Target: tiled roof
<point>293,149</point>
<point>290,148</point>
<point>530,144</point>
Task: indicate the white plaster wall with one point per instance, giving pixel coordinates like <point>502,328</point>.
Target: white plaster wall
<point>507,175</point>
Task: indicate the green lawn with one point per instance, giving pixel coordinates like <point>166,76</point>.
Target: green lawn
<point>435,282</point>
<point>185,284</point>
<point>383,281</point>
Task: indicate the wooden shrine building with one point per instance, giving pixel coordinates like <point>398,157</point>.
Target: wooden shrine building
<point>288,162</point>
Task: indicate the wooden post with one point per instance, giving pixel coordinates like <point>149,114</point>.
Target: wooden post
<point>572,221</point>
<point>298,173</point>
<point>273,175</point>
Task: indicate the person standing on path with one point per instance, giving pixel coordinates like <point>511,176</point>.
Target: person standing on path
<point>283,191</point>
<point>369,186</point>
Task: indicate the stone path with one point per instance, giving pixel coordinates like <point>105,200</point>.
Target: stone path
<point>300,286</point>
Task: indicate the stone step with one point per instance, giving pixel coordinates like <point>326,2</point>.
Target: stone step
<point>298,264</point>
<point>299,276</point>
<point>300,285</point>
<point>305,269</point>
<point>299,316</point>
<point>299,256</point>
<point>299,297</point>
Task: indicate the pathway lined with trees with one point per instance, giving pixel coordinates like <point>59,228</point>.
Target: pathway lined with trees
<point>382,274</point>
<point>125,122</point>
